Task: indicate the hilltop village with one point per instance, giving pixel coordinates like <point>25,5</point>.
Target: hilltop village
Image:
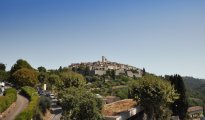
<point>101,90</point>
<point>103,66</point>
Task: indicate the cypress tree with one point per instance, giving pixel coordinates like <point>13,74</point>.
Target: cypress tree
<point>180,106</point>
<point>143,72</point>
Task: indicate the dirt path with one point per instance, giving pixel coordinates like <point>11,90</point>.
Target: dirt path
<point>21,103</point>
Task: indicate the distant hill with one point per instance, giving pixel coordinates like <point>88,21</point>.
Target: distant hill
<point>195,84</point>
<point>195,90</point>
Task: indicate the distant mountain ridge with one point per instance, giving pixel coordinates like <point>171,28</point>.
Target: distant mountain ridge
<point>195,83</point>
<point>195,90</point>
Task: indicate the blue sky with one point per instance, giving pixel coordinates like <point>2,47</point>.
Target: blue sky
<point>165,37</point>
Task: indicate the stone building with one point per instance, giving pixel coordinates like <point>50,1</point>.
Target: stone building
<point>98,72</point>
<point>100,68</point>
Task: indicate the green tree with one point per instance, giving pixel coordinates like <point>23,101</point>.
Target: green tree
<point>4,75</point>
<point>80,104</point>
<point>143,72</point>
<point>65,69</point>
<point>113,76</point>
<point>155,95</point>
<point>60,69</point>
<point>41,69</point>
<point>82,69</point>
<point>180,106</point>
<point>54,81</point>
<point>111,73</point>
<point>2,67</point>
<point>25,77</point>
<point>87,71</point>
<point>19,65</point>
<point>42,77</point>
<point>74,69</point>
<point>44,104</point>
<point>72,79</point>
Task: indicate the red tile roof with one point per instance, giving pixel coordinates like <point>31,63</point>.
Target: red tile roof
<point>118,107</point>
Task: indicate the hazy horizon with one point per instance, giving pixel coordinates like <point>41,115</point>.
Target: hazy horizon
<point>164,37</point>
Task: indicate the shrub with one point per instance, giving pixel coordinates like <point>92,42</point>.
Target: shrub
<point>29,112</point>
<point>122,93</point>
<point>44,104</point>
<point>6,100</point>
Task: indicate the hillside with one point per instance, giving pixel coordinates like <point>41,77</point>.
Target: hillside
<point>195,90</point>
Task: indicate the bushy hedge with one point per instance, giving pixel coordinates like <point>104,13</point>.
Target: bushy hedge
<point>31,94</point>
<point>6,100</point>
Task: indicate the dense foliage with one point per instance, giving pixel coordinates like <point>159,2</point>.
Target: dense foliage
<point>55,82</point>
<point>19,65</point>
<point>80,104</point>
<point>3,75</point>
<point>43,77</point>
<point>41,69</point>
<point>2,67</point>
<point>6,100</point>
<point>29,112</point>
<point>117,87</point>
<point>155,95</point>
<point>122,93</point>
<point>25,77</point>
<point>180,106</point>
<point>61,79</point>
<point>72,79</point>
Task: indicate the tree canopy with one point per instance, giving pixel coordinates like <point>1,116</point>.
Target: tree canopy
<point>25,77</point>
<point>4,75</point>
<point>72,79</point>
<point>155,95</point>
<point>19,65</point>
<point>43,77</point>
<point>80,104</point>
<point>2,67</point>
<point>54,81</point>
<point>41,69</point>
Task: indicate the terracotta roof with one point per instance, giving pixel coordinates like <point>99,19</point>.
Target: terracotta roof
<point>118,107</point>
<point>195,108</point>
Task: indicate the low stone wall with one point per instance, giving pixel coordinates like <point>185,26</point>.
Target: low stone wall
<point>7,111</point>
